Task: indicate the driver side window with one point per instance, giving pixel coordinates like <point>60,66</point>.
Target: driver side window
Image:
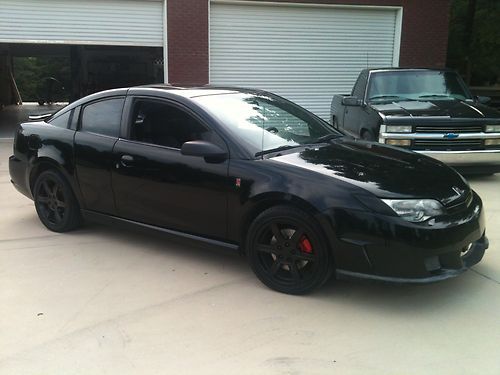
<point>160,123</point>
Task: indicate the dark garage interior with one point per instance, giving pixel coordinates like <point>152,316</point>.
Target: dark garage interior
<point>51,74</point>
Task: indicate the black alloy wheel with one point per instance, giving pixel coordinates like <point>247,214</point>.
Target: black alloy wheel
<point>287,251</point>
<point>55,204</point>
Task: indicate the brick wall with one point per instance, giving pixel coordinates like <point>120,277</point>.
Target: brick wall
<point>187,28</point>
<point>424,37</point>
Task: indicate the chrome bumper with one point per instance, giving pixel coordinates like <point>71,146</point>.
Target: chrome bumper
<point>487,157</point>
<point>465,158</point>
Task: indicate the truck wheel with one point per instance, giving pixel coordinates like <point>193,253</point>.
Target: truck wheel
<point>367,135</point>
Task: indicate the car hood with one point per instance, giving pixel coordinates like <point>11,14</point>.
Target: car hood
<point>448,108</point>
<point>385,171</point>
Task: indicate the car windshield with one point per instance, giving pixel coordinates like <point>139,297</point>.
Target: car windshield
<point>266,123</point>
<point>416,85</point>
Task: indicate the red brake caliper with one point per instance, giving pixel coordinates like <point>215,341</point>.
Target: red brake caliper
<point>305,245</point>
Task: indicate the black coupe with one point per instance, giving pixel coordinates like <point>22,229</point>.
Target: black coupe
<point>251,171</point>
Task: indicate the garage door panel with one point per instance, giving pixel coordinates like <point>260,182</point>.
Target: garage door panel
<point>305,54</point>
<point>113,22</point>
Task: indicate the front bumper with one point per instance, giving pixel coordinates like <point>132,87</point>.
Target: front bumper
<point>485,157</point>
<point>473,257</point>
<point>466,158</point>
<point>387,248</point>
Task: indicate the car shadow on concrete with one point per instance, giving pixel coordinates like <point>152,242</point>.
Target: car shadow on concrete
<point>397,298</point>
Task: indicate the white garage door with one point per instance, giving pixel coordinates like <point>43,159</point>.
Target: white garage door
<point>99,22</point>
<point>303,53</point>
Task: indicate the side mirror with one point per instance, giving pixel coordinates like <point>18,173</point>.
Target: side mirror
<point>352,101</point>
<point>211,152</point>
<point>483,99</point>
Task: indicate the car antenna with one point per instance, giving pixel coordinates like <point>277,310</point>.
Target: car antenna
<point>262,143</point>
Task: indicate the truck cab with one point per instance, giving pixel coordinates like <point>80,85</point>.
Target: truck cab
<point>430,111</point>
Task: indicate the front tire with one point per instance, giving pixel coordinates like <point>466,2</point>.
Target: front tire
<point>55,202</point>
<point>287,251</point>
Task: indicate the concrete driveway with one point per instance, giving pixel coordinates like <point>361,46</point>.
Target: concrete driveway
<point>105,301</point>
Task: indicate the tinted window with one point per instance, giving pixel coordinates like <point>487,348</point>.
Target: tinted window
<point>103,117</point>
<point>360,86</point>
<point>165,125</point>
<point>61,121</point>
<point>416,85</point>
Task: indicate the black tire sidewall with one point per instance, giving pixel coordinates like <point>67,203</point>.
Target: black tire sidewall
<point>71,218</point>
<point>296,217</point>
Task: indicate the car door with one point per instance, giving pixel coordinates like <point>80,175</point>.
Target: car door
<point>155,184</point>
<point>98,131</point>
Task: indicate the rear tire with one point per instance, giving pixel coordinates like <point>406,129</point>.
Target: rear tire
<point>287,251</point>
<point>55,202</point>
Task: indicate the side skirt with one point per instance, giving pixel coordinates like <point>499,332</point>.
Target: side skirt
<point>114,220</point>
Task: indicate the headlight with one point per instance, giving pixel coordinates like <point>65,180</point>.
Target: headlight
<point>415,210</point>
<point>398,129</point>
<point>492,129</point>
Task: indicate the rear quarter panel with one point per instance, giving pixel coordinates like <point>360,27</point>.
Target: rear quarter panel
<point>40,145</point>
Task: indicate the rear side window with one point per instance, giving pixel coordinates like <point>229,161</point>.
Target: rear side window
<point>103,117</point>
<point>360,86</point>
<point>61,121</point>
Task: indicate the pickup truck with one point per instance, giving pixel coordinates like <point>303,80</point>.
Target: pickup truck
<point>430,111</point>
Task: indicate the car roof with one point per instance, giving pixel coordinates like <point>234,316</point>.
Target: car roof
<point>408,69</point>
<point>192,92</point>
<point>161,88</point>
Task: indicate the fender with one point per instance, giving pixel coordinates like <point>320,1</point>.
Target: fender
<point>59,156</point>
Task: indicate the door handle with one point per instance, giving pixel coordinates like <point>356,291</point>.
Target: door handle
<point>127,160</point>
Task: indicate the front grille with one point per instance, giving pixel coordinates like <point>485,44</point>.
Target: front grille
<point>448,144</point>
<point>449,129</point>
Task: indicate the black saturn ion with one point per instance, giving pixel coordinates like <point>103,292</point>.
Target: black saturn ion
<point>253,172</point>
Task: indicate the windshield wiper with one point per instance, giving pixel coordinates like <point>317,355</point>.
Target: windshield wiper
<point>390,97</point>
<point>326,138</point>
<point>436,96</point>
<point>277,149</point>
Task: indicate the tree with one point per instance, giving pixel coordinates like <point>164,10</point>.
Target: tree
<point>474,41</point>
